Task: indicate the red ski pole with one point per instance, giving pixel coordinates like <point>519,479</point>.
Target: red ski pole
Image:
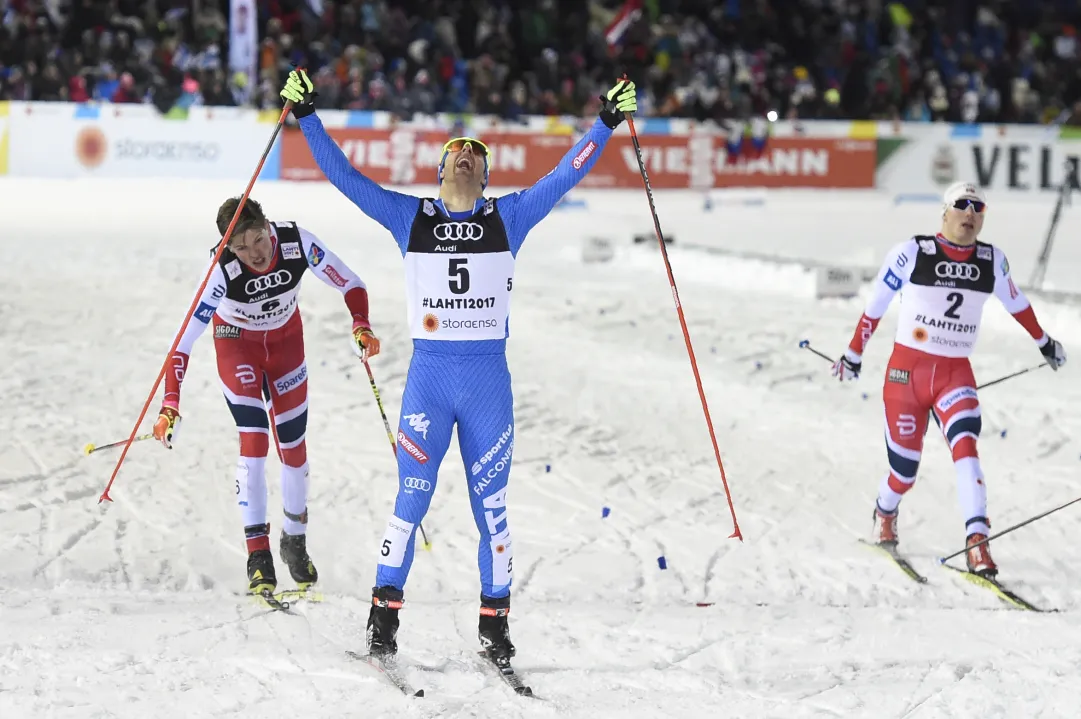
<point>191,309</point>
<point>683,322</point>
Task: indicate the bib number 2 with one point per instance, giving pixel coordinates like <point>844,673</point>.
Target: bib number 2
<point>956,299</point>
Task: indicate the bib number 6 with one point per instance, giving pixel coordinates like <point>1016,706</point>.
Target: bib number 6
<point>459,275</point>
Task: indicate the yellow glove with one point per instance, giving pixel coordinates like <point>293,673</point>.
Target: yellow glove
<point>620,99</point>
<point>300,91</point>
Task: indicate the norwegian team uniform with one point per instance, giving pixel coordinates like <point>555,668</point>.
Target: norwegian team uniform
<point>459,269</point>
<point>943,289</point>
<point>259,342</point>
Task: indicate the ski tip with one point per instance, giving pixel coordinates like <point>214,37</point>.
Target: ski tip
<point>703,604</point>
<point>419,693</point>
<point>525,691</point>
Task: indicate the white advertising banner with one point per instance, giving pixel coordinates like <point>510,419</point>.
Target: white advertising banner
<point>1014,161</point>
<point>67,141</point>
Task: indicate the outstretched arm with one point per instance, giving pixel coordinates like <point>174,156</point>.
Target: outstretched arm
<point>522,210</point>
<point>329,268</point>
<point>392,210</point>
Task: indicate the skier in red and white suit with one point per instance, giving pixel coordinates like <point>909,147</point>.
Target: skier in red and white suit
<point>946,279</point>
<point>251,299</point>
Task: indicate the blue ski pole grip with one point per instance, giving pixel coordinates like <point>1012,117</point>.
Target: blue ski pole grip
<point>804,343</point>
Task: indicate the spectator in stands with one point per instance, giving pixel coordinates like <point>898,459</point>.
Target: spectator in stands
<point>962,61</point>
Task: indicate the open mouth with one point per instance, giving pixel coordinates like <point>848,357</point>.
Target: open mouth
<point>968,225</point>
<point>464,163</point>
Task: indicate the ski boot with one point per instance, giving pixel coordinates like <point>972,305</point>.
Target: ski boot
<point>261,577</point>
<point>884,532</point>
<point>383,622</point>
<point>294,552</point>
<point>979,558</point>
<point>494,631</point>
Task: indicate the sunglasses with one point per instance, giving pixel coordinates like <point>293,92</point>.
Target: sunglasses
<point>458,144</point>
<point>964,204</point>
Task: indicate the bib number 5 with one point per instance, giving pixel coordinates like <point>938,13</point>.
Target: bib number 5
<point>459,275</point>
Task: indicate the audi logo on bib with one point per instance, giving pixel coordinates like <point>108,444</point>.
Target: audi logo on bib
<point>417,483</point>
<point>262,284</point>
<point>957,271</point>
<point>456,231</point>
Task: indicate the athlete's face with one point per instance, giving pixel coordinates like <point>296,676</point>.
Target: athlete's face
<point>963,221</point>
<point>465,164</point>
<point>253,247</point>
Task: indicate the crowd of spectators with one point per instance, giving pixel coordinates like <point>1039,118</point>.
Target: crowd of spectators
<point>921,60</point>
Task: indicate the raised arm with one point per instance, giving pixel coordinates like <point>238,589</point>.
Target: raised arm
<point>522,210</point>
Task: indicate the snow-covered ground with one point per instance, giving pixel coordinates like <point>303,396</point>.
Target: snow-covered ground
<point>134,609</point>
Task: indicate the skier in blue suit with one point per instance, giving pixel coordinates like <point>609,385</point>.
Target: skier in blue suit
<point>459,252</point>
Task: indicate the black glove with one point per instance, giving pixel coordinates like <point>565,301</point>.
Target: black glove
<point>301,92</point>
<point>620,99</point>
<point>1053,351</point>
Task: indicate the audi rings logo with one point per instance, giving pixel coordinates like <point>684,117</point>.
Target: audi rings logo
<point>458,231</point>
<point>417,483</point>
<point>266,282</point>
<point>957,271</point>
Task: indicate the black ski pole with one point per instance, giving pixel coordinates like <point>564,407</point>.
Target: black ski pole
<point>942,560</point>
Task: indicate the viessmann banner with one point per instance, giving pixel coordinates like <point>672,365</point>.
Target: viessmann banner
<point>406,156</point>
<point>66,141</point>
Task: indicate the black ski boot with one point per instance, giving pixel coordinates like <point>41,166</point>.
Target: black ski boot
<point>261,577</point>
<point>294,552</point>
<point>494,632</point>
<point>383,621</point>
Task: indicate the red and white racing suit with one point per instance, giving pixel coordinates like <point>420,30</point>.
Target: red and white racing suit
<point>944,289</point>
<point>259,342</point>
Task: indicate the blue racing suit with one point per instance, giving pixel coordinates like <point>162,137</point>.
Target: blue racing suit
<point>459,276</point>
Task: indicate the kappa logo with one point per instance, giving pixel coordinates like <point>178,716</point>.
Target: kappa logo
<point>291,250</point>
<point>413,450</point>
<point>983,253</point>
<point>419,424</point>
<point>957,271</point>
<point>233,269</point>
<point>928,247</point>
<point>268,282</point>
<point>429,208</point>
<point>457,231</point>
